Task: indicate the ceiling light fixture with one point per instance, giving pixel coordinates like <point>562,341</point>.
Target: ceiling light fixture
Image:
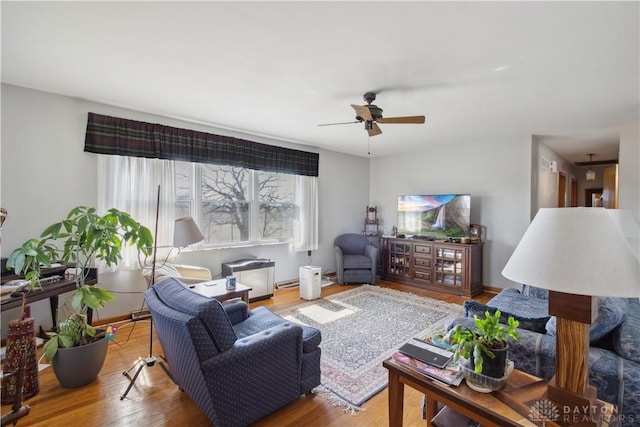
<point>591,174</point>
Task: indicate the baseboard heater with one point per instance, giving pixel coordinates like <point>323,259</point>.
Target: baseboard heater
<point>288,284</point>
<point>259,273</point>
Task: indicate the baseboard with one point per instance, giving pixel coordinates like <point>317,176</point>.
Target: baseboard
<point>493,290</point>
<point>120,319</point>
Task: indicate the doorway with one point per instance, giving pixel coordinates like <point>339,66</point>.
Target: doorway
<point>593,197</point>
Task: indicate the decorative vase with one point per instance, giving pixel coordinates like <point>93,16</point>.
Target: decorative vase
<point>21,339</point>
<point>78,366</point>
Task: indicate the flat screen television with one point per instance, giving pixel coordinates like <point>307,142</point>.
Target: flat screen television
<point>438,216</point>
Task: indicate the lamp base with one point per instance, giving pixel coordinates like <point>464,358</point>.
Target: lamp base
<point>577,409</point>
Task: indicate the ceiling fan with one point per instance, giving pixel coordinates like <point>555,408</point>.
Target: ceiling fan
<point>371,115</point>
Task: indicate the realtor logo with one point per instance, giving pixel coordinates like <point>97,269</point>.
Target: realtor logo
<point>543,410</point>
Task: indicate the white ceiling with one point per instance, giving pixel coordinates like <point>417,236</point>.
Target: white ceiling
<point>567,71</point>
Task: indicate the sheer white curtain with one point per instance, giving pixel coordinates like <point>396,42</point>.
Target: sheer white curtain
<point>131,184</point>
<point>305,228</point>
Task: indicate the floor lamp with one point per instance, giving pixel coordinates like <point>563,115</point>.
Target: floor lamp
<point>577,254</point>
<point>185,233</point>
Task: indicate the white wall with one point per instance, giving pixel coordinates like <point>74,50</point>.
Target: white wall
<point>629,170</point>
<point>45,173</point>
<point>495,173</point>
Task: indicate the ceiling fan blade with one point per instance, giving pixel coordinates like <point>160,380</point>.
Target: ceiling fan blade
<point>407,119</point>
<point>341,123</point>
<point>375,130</point>
<point>363,111</point>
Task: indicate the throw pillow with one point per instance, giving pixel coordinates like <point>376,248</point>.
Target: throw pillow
<point>611,313</point>
<point>477,308</point>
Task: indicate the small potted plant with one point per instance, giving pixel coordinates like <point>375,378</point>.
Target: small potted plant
<point>485,346</point>
<point>86,237</point>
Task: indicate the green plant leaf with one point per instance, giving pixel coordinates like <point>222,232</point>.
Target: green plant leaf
<point>50,348</point>
<point>66,341</point>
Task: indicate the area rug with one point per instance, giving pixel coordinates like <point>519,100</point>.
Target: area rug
<point>361,328</point>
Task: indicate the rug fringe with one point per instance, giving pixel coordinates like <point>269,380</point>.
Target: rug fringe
<point>337,401</point>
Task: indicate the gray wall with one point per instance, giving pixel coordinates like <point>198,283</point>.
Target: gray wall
<point>629,171</point>
<point>45,173</point>
<point>495,173</point>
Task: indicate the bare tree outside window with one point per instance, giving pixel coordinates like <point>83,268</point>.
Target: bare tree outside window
<point>224,199</point>
<point>225,203</point>
<point>275,192</point>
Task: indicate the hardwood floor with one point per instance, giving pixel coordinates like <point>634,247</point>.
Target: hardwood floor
<point>155,401</point>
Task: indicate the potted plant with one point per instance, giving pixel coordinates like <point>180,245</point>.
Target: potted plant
<point>486,345</point>
<point>87,237</point>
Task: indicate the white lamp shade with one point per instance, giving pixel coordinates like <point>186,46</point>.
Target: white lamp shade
<point>186,232</point>
<point>578,251</point>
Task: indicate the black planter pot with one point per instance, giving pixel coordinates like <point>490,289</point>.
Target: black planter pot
<point>494,367</point>
<point>78,366</point>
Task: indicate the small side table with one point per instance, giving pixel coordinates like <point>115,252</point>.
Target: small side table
<point>217,289</point>
<point>510,406</point>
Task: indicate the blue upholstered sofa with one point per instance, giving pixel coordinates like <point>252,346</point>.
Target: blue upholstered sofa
<point>237,365</point>
<point>614,353</point>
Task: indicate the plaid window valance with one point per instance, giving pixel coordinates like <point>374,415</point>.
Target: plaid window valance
<point>116,136</point>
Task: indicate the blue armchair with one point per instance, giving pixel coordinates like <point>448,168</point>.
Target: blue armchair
<point>237,365</point>
<point>356,259</point>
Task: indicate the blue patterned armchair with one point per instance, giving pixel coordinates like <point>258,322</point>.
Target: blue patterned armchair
<point>237,365</point>
<point>356,259</point>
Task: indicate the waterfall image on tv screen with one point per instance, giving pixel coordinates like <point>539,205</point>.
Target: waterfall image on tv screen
<point>437,216</point>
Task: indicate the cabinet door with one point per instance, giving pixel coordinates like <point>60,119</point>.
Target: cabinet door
<point>449,266</point>
<point>399,258</point>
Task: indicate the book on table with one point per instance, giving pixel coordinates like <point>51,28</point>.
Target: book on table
<point>449,375</point>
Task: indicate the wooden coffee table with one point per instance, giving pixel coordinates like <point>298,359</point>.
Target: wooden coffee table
<point>217,289</point>
<point>509,406</point>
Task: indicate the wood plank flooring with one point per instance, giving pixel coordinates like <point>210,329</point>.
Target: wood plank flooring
<point>155,401</point>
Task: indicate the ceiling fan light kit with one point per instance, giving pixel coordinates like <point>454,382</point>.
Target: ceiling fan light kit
<point>371,115</point>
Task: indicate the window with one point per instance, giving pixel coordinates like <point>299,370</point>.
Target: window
<point>234,204</point>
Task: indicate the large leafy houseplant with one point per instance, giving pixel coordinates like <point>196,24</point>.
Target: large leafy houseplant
<point>86,237</point>
<point>487,338</point>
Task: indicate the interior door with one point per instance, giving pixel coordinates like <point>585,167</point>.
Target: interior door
<point>574,192</point>
<point>562,190</point>
<point>610,187</point>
